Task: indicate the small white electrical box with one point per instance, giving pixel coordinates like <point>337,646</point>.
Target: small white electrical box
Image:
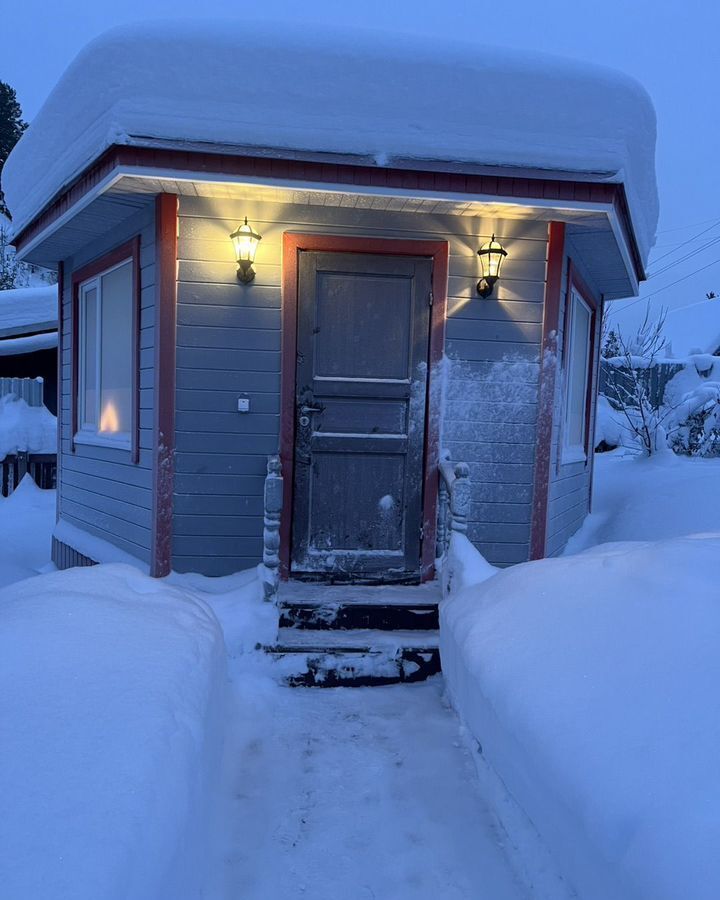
<point>243,404</point>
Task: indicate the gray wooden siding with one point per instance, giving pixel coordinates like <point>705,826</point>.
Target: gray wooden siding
<point>101,491</point>
<point>570,484</point>
<point>229,345</point>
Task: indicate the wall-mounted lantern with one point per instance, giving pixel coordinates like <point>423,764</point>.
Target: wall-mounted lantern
<point>245,241</point>
<point>491,256</point>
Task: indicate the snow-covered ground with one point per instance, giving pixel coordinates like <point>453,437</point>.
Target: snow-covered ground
<point>368,793</point>
<point>590,681</point>
<point>587,685</point>
<point>641,499</point>
<point>357,793</point>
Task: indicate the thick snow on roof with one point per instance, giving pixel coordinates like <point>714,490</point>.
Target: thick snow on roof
<point>693,329</point>
<point>386,97</point>
<point>28,309</point>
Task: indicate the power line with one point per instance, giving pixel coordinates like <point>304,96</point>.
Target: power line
<point>687,256</point>
<point>684,227</point>
<point>688,241</point>
<point>667,286</point>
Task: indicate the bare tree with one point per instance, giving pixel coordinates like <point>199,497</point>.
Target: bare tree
<point>632,390</point>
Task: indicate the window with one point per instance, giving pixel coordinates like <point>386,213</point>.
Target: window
<point>578,332</point>
<point>106,356</point>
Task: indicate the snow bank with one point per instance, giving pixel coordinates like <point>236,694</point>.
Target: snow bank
<point>611,425</point>
<point>640,498</point>
<point>27,517</point>
<point>363,93</point>
<point>28,309</point>
<point>31,429</point>
<point>590,683</point>
<point>113,690</point>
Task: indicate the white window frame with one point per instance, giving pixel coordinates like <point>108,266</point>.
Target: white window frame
<point>93,435</point>
<point>575,453</point>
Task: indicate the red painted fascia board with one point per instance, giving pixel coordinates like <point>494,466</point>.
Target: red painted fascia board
<point>333,173</point>
<point>439,252</point>
<point>546,389</point>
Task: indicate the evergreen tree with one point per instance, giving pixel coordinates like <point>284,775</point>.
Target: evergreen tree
<point>11,129</point>
<point>611,347</point>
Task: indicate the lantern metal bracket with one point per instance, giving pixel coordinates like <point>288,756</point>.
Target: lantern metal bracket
<point>486,286</point>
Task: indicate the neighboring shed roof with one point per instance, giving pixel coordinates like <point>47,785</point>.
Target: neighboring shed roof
<point>693,329</point>
<point>28,311</point>
<point>387,98</point>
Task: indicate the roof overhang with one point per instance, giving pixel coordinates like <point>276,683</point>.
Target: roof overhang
<point>124,172</point>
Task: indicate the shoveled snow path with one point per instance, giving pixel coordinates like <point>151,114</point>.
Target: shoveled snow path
<point>356,793</point>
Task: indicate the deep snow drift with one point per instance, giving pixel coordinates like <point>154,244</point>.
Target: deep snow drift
<point>111,733</point>
<point>641,499</point>
<point>590,682</point>
<point>27,517</point>
<point>363,93</point>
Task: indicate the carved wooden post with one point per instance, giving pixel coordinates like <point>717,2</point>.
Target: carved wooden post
<point>460,498</point>
<point>443,537</point>
<point>271,531</point>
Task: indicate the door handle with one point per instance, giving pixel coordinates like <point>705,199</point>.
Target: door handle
<point>306,410</point>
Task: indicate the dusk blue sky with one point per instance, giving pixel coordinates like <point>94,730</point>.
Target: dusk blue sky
<point>671,47</point>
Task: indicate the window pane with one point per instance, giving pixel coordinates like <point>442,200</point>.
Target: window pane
<point>577,373</point>
<point>116,351</point>
<point>88,355</point>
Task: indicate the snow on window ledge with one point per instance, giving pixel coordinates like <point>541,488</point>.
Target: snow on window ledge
<point>573,455</point>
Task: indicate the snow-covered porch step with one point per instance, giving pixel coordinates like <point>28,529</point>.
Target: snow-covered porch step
<point>355,658</point>
<point>383,607</point>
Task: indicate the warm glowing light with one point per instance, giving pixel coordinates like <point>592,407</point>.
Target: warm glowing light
<point>245,241</point>
<point>491,256</point>
<point>109,419</point>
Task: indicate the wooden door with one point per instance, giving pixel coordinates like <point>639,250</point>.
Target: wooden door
<point>361,387</point>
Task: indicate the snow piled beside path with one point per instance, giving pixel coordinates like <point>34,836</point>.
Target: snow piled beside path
<point>111,727</point>
<point>591,683</point>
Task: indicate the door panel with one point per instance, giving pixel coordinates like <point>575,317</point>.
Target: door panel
<point>363,331</point>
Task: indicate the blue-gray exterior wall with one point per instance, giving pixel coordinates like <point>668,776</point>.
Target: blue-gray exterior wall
<point>101,490</point>
<point>229,345</point>
<point>570,483</point>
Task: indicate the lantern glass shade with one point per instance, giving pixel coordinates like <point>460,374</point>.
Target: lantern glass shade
<point>245,240</point>
<point>491,258</point>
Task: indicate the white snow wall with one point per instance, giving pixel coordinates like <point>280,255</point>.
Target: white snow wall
<point>229,344</point>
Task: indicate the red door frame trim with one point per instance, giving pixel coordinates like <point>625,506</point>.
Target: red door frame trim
<point>439,252</point>
<point>166,240</point>
<point>546,389</point>
<point>129,250</point>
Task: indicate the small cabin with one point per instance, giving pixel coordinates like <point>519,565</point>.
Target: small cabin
<point>349,261</point>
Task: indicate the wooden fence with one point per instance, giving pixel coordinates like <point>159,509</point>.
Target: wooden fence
<point>41,466</point>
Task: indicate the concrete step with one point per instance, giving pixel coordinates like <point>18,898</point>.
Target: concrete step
<point>382,607</point>
<point>354,658</point>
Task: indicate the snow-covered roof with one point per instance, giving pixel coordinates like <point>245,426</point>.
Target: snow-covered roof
<point>27,310</point>
<point>389,98</point>
<point>693,329</point>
